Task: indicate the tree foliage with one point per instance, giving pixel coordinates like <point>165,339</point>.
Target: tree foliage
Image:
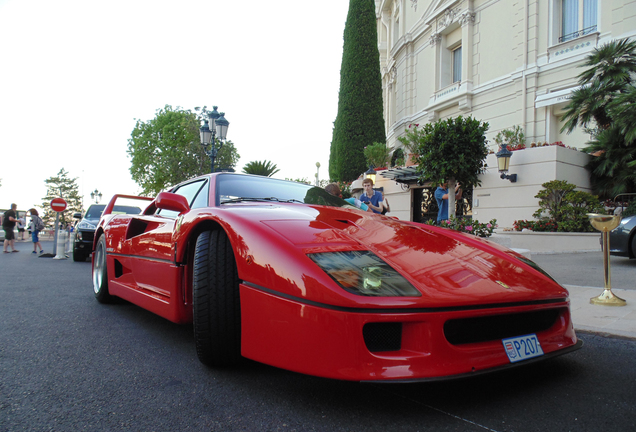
<point>264,168</point>
<point>166,150</point>
<point>61,186</point>
<point>604,106</point>
<point>359,121</point>
<point>450,150</point>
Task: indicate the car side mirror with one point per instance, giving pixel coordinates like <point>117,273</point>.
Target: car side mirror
<point>77,215</point>
<point>173,202</point>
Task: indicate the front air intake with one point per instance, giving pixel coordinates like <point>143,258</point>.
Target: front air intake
<point>489,328</point>
<point>382,337</point>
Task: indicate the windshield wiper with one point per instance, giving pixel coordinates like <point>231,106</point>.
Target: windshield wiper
<point>241,199</point>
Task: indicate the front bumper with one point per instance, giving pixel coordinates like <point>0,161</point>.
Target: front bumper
<point>330,342</point>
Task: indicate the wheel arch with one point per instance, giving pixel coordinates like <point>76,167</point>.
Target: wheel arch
<point>185,256</point>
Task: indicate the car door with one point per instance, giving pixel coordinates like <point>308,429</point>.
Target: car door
<point>149,241</point>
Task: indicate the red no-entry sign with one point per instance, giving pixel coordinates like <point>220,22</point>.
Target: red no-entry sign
<point>58,204</point>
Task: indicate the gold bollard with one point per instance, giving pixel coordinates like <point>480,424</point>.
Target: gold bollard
<point>604,224</point>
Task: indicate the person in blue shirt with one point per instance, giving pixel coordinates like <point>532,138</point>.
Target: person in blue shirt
<point>334,190</point>
<point>372,198</point>
<point>441,196</point>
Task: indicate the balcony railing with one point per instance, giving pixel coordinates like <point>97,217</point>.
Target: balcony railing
<point>577,34</point>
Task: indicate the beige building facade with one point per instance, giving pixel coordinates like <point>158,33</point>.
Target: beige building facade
<point>506,62</point>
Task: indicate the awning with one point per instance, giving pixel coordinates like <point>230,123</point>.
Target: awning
<point>407,175</point>
<point>554,98</point>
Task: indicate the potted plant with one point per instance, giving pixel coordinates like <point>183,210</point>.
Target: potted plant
<point>377,155</point>
<point>410,143</point>
<point>513,138</point>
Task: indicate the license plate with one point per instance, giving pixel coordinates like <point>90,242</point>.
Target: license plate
<point>522,347</point>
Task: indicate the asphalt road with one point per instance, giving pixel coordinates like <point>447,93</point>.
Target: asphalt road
<point>68,363</point>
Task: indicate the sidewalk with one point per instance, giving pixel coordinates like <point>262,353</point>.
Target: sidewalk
<point>613,320</point>
<point>582,274</point>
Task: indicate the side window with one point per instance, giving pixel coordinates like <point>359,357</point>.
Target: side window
<point>201,199</point>
<point>189,191</point>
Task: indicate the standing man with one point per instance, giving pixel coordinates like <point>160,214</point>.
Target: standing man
<point>372,198</point>
<point>441,196</point>
<point>21,225</point>
<point>8,223</point>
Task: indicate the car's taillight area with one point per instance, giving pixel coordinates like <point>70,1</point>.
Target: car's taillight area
<point>383,336</point>
<point>496,327</point>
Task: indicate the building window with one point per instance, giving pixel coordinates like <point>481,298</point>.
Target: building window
<point>457,64</point>
<point>578,18</point>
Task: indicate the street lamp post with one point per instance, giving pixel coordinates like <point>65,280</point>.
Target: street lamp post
<point>209,134</point>
<point>97,196</point>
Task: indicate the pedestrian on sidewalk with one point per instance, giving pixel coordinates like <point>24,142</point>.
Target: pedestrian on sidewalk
<point>21,224</point>
<point>8,224</point>
<point>37,224</point>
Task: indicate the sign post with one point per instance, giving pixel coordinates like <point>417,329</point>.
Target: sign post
<point>58,205</point>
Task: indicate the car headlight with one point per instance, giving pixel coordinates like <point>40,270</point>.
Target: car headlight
<point>364,273</point>
<point>86,225</point>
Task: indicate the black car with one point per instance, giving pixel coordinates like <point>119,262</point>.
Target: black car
<point>85,229</point>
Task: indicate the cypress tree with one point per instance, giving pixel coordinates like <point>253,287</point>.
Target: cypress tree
<point>360,120</point>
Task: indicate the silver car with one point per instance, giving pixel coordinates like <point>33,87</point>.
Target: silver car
<point>623,238</point>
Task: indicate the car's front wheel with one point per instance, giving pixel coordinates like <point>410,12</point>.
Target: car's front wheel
<point>100,273</point>
<point>216,301</point>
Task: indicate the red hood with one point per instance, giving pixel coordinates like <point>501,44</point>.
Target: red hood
<point>447,267</point>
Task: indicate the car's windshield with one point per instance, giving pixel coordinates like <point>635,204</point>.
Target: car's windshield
<point>232,188</point>
<point>95,211</point>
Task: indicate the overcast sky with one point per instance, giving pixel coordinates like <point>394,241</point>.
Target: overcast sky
<point>75,74</point>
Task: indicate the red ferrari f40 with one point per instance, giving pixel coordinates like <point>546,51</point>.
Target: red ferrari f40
<point>286,274</point>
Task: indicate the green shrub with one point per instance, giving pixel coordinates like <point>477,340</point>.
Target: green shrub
<point>468,226</point>
<point>630,209</point>
<point>561,208</point>
<point>520,225</point>
<point>573,216</point>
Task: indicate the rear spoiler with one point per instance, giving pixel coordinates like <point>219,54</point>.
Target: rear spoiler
<point>111,204</point>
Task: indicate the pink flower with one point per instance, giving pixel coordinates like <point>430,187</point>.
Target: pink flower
<point>489,225</point>
<point>469,228</point>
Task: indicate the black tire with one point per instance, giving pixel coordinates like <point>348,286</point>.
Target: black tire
<point>216,300</point>
<point>100,273</point>
<point>78,256</point>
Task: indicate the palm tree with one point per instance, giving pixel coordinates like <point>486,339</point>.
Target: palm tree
<point>603,105</point>
<point>264,168</point>
<point>609,75</point>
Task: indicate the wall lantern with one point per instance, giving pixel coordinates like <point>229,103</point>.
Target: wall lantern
<point>503,162</point>
<point>370,174</point>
